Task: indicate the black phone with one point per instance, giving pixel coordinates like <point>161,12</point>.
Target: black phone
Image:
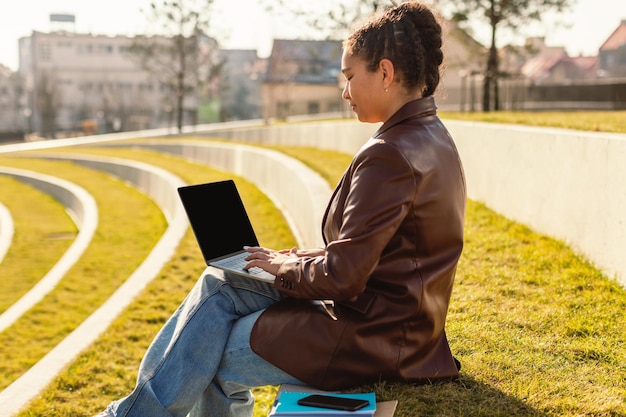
<point>336,403</point>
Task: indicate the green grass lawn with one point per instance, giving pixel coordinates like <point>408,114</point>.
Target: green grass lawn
<point>539,330</point>
<point>599,121</point>
<point>101,269</point>
<point>108,369</point>
<point>42,233</point>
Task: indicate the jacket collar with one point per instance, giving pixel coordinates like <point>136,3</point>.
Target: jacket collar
<point>412,110</point>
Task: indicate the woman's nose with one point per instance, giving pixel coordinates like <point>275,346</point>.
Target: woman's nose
<point>344,94</point>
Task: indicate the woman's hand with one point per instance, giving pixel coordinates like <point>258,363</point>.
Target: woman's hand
<point>267,259</point>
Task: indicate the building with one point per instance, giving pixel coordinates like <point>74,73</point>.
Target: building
<point>70,83</point>
<point>85,84</point>
<point>14,111</point>
<point>553,80</point>
<point>612,54</point>
<point>82,82</point>
<point>464,60</point>
<point>549,64</point>
<point>302,77</point>
<point>240,84</point>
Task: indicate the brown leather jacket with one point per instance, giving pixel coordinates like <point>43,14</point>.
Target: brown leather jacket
<point>394,234</point>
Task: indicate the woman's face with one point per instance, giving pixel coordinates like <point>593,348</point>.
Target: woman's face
<point>364,89</point>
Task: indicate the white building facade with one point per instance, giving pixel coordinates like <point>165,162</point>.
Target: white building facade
<point>83,83</point>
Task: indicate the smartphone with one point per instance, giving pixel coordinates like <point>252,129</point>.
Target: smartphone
<point>336,403</point>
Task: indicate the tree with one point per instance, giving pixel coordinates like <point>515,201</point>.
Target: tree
<point>332,23</point>
<point>47,103</point>
<point>508,14</point>
<point>182,57</point>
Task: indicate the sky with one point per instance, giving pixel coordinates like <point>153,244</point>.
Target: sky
<point>245,24</point>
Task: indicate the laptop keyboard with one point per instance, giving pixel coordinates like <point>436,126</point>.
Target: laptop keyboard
<point>234,262</point>
<point>237,262</point>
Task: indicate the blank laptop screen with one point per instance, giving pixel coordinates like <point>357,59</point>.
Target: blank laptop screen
<point>218,218</point>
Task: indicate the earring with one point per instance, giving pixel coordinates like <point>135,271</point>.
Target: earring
<point>386,90</point>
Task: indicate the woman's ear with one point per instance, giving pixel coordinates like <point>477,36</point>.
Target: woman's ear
<point>388,71</point>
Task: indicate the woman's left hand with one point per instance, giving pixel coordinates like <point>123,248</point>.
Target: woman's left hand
<point>267,259</point>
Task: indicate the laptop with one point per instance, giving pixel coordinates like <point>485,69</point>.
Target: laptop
<point>221,226</point>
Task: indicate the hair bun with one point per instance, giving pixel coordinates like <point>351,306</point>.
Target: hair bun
<point>411,37</point>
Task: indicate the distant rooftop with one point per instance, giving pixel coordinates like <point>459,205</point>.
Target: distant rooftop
<point>617,38</point>
<point>304,61</point>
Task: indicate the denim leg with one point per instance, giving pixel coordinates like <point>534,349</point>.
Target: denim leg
<point>185,356</point>
<point>240,369</point>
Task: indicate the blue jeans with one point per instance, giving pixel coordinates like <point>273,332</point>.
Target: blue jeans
<point>201,362</point>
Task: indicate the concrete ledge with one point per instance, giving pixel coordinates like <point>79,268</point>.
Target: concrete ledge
<point>113,137</point>
<point>84,212</point>
<point>303,191</point>
<point>82,140</point>
<point>161,186</point>
<point>298,191</point>
<point>346,135</point>
<point>560,182</point>
<point>565,183</point>
<point>6,231</point>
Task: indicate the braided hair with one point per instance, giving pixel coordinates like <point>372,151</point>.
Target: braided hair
<point>409,35</point>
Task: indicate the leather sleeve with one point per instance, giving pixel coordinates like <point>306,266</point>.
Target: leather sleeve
<point>378,191</point>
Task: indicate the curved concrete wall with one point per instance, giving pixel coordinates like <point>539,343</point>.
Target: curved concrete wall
<point>298,191</point>
<point>157,183</point>
<point>84,212</point>
<point>568,184</point>
<point>564,183</point>
<point>345,135</point>
<point>303,192</point>
<point>6,231</point>
<point>161,186</point>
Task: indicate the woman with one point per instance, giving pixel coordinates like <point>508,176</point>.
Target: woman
<point>393,231</point>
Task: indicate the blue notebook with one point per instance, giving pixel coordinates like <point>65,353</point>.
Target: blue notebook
<point>287,406</point>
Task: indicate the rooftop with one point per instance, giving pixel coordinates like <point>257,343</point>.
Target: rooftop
<point>617,38</point>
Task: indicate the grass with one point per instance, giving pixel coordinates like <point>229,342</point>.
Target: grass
<point>42,233</point>
<point>538,329</point>
<point>535,323</point>
<point>329,164</point>
<point>101,269</point>
<point>600,121</point>
<point>108,369</point>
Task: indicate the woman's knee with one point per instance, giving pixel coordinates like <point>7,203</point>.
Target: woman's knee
<point>209,283</point>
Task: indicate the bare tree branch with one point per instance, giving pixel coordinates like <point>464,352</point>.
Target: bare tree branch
<point>184,57</point>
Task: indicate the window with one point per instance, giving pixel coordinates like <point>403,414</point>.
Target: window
<point>282,109</point>
<point>44,51</point>
<point>610,60</point>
